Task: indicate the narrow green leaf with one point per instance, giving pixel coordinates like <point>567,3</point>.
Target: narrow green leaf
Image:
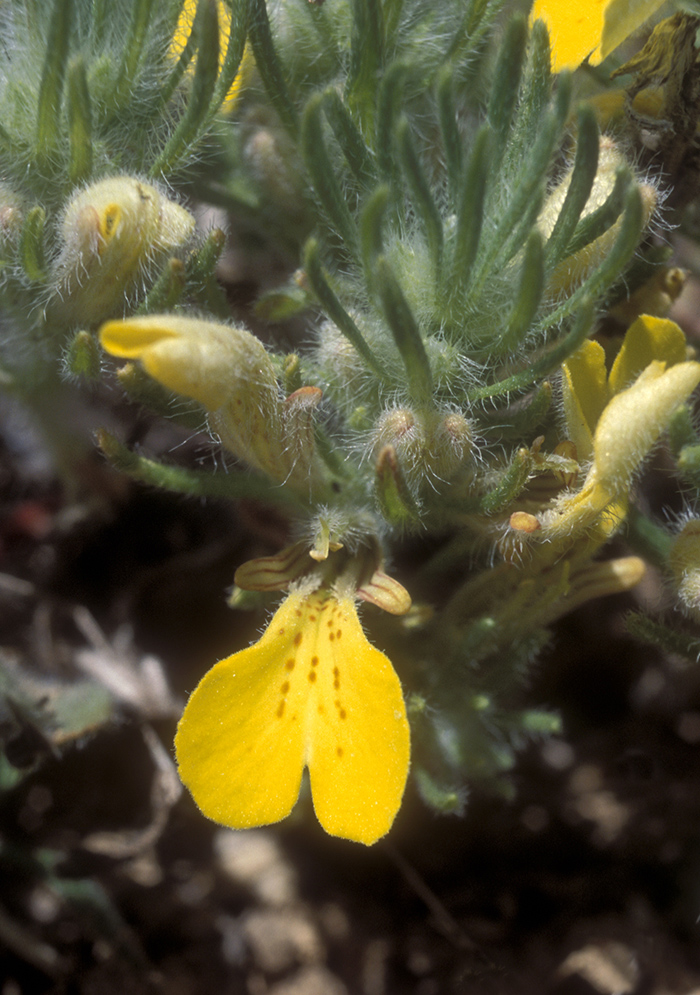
<point>366,61</point>
<point>501,243</point>
<point>604,276</point>
<point>405,331</point>
<point>349,138</point>
<point>529,294</point>
<point>506,81</point>
<point>234,54</point>
<point>48,119</point>
<point>535,94</point>
<point>79,122</point>
<point>335,310</point>
<point>389,98</point>
<point>132,53</point>
<point>546,364</point>
<point>523,421</point>
<point>371,226</point>
<point>269,66</point>
<point>451,138</point>
<point>325,182</point>
<point>670,639</point>
<point>470,213</point>
<point>32,245</point>
<point>648,539</point>
<point>423,200</point>
<point>510,485</point>
<point>83,357</point>
<point>597,222</point>
<point>582,178</point>
<point>202,263</point>
<point>206,32</point>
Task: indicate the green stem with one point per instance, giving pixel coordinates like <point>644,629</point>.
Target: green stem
<point>195,483</point>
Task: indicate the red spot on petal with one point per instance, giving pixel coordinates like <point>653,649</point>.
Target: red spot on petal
<point>290,663</point>
<point>285,688</point>
<point>343,714</point>
<point>314,661</point>
<point>298,638</point>
<point>312,676</point>
<point>339,751</point>
<point>280,710</point>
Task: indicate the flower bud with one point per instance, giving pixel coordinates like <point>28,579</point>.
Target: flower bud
<point>575,269</point>
<point>230,373</point>
<point>429,444</point>
<point>181,37</point>
<point>111,231</point>
<point>684,561</point>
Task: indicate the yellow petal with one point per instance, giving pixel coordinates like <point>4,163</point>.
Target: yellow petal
<point>575,28</point>
<point>646,339</point>
<point>211,363</point>
<point>579,28</point>
<point>584,394</point>
<point>633,420</point>
<point>313,692</point>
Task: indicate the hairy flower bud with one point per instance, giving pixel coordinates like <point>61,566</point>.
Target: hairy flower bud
<point>230,373</point>
<point>430,444</point>
<point>575,269</point>
<point>111,231</point>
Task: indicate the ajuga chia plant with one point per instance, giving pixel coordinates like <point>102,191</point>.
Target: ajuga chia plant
<point>460,226</point>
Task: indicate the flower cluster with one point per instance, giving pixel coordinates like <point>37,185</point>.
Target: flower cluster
<point>441,396</point>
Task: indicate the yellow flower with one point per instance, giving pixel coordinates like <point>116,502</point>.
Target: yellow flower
<point>112,232</point>
<point>581,28</point>
<point>311,692</point>
<point>184,30</point>
<point>228,371</point>
<point>615,420</point>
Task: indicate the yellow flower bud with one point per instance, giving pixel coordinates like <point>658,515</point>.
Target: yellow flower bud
<point>182,34</point>
<point>230,373</point>
<point>111,231</point>
<point>574,270</point>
